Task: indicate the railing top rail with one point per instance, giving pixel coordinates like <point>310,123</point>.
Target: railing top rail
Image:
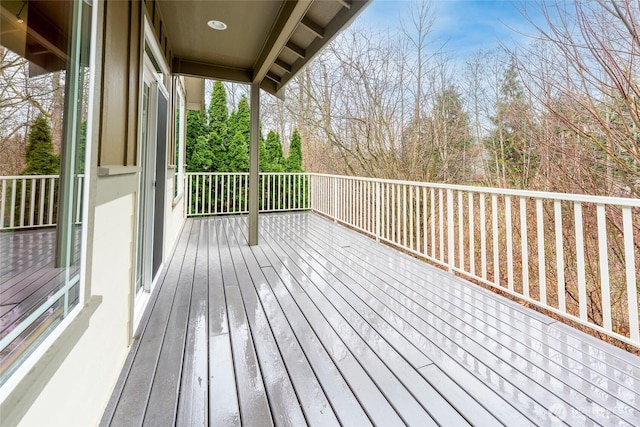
<point>15,177</point>
<point>582,198</point>
<point>246,173</point>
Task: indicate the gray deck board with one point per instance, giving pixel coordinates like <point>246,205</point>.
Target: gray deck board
<point>527,337</point>
<point>254,406</point>
<point>128,403</point>
<point>500,344</point>
<point>556,336</point>
<point>224,408</point>
<point>312,400</point>
<point>372,400</point>
<point>283,401</point>
<point>439,408</point>
<point>413,398</point>
<point>165,390</point>
<point>336,389</point>
<point>320,325</point>
<point>193,397</point>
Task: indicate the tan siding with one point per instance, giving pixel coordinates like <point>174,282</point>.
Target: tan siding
<point>134,81</point>
<point>120,84</point>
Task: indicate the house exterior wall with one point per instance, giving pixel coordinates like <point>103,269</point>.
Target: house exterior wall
<point>174,216</point>
<point>79,385</point>
<point>72,382</point>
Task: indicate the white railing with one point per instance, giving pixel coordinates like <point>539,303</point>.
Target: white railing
<point>228,193</point>
<point>30,201</point>
<point>571,254</point>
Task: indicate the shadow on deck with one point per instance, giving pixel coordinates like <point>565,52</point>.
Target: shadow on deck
<point>320,325</point>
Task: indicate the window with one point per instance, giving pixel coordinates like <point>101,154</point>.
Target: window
<point>44,81</point>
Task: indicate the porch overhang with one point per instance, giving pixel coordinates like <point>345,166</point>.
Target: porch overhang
<point>266,42</point>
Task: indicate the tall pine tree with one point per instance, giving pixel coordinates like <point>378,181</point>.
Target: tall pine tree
<point>196,127</point>
<point>294,161</point>
<point>39,154</point>
<point>218,112</point>
<point>271,157</point>
<point>239,121</point>
<point>237,154</point>
<point>218,126</point>
<point>514,157</point>
<point>451,136</point>
<point>202,158</point>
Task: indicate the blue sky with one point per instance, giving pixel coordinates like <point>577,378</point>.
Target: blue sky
<point>464,26</point>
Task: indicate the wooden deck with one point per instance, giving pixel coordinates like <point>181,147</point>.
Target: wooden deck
<point>27,279</point>
<point>320,325</point>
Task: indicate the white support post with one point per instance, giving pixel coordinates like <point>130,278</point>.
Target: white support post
<point>254,164</point>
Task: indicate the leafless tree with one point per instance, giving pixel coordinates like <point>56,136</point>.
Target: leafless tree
<point>587,77</point>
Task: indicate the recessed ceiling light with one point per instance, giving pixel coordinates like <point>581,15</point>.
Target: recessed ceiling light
<point>217,25</point>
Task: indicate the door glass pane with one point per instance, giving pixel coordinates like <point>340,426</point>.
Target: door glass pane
<point>44,81</point>
<point>160,180</point>
<point>144,129</point>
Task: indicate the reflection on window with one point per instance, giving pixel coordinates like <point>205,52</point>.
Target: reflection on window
<point>43,112</point>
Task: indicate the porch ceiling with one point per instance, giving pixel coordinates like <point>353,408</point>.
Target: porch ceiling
<point>266,41</point>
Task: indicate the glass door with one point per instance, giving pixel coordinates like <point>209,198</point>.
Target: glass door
<point>146,160</point>
<point>152,159</point>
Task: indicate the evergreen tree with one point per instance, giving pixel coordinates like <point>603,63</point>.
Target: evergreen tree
<point>202,157</point>
<point>294,161</point>
<point>451,136</point>
<point>238,154</point>
<point>239,121</point>
<point>514,157</point>
<point>218,112</point>
<point>39,152</point>
<point>218,127</point>
<point>271,157</point>
<point>196,127</point>
<point>219,150</point>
